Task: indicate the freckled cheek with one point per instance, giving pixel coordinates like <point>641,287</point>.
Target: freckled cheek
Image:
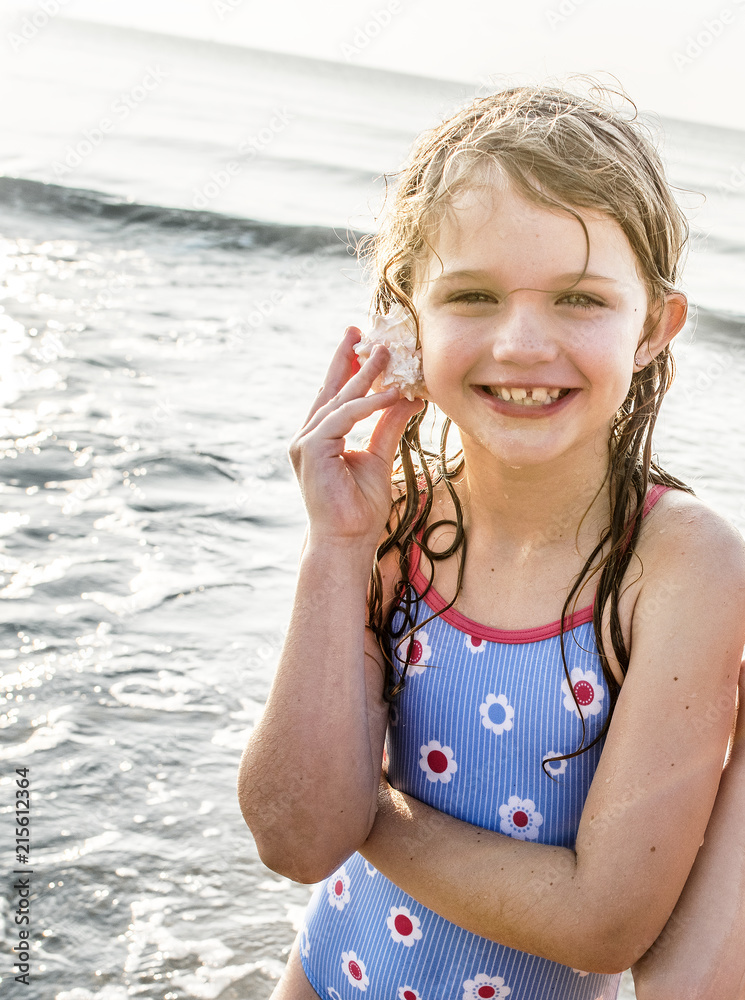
<point>605,351</point>
<point>445,357</point>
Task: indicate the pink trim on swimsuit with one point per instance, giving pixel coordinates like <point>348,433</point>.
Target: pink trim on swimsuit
<point>437,603</point>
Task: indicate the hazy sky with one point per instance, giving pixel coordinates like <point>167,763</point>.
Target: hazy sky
<point>682,58</point>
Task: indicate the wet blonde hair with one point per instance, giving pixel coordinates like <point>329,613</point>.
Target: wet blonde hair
<point>567,153</point>
<point>558,150</point>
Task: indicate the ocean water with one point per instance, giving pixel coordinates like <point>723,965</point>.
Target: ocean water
<point>161,340</point>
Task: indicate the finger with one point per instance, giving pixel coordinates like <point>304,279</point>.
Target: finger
<point>340,370</point>
<point>339,421</point>
<point>357,387</point>
<point>389,428</point>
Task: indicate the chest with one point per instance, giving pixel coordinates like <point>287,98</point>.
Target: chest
<point>526,593</point>
<point>478,717</point>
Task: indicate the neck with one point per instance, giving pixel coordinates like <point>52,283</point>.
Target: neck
<point>532,507</point>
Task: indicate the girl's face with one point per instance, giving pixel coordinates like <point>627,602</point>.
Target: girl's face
<point>529,362</point>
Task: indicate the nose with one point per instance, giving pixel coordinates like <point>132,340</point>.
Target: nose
<point>523,334</point>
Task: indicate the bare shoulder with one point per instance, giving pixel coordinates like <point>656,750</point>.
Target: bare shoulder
<point>692,587</point>
<point>681,534</point>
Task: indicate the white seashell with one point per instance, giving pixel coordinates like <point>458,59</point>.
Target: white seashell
<point>404,369</point>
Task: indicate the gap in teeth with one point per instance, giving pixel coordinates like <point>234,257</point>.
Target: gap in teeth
<point>539,396</point>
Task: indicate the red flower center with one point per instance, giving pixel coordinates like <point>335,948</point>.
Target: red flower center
<point>403,925</point>
<point>355,971</point>
<point>408,995</point>
<point>584,692</point>
<point>437,761</point>
<point>415,651</point>
<point>339,887</point>
<point>520,819</point>
<point>486,991</point>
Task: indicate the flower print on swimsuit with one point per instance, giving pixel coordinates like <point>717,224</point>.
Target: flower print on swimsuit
<point>553,766</point>
<point>587,690</point>
<point>474,644</point>
<point>497,714</point>
<point>420,654</point>
<point>483,987</point>
<point>404,926</point>
<point>304,941</point>
<point>355,971</point>
<point>520,819</point>
<point>338,889</point>
<point>437,762</point>
<point>409,993</point>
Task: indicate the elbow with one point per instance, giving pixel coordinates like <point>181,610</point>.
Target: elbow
<point>300,866</point>
<point>278,846</point>
<point>287,853</point>
<point>308,861</point>
<point>290,843</point>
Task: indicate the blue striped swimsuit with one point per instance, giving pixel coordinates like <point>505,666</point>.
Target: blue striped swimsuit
<point>481,709</point>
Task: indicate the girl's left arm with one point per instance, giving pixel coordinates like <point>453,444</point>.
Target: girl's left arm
<point>700,954</point>
<point>600,906</point>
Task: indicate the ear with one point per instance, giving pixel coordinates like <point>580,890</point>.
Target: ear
<point>662,326</point>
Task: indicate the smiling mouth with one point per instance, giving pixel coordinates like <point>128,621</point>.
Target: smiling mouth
<point>539,396</point>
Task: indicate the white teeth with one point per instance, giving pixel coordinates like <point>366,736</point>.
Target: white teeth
<point>539,395</point>
<point>505,393</point>
<point>519,393</point>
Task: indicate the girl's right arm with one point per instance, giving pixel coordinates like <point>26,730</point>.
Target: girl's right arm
<point>700,954</point>
<point>308,780</point>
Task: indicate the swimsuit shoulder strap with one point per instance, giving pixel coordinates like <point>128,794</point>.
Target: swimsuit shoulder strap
<point>653,495</point>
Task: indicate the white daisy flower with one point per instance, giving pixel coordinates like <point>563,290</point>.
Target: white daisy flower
<point>497,714</point>
<point>409,993</point>
<point>580,973</point>
<point>369,869</point>
<point>420,653</point>
<point>587,691</point>
<point>404,926</point>
<point>484,987</point>
<point>437,762</point>
<point>554,767</point>
<point>333,994</point>
<point>338,889</point>
<point>354,969</point>
<point>520,818</point>
<point>304,942</point>
<point>475,645</point>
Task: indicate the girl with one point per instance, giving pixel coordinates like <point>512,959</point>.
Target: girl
<point>535,243</point>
